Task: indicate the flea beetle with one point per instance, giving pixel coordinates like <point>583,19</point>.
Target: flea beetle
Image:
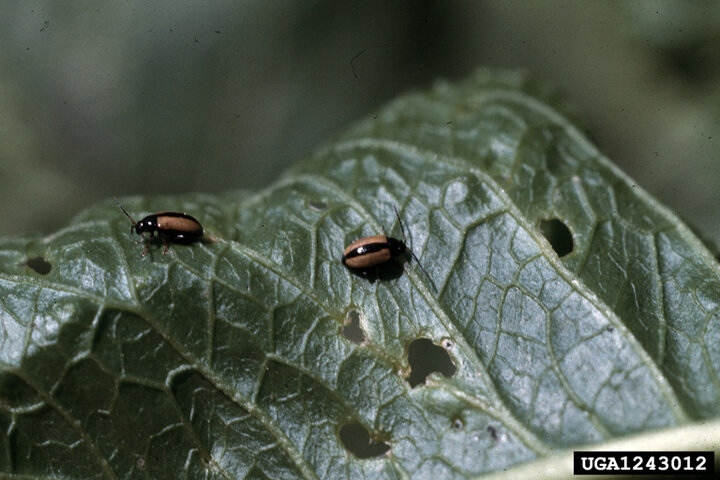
<point>170,226</point>
<point>369,252</point>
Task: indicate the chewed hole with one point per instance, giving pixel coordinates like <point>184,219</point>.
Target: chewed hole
<point>457,423</point>
<point>558,234</point>
<point>39,264</point>
<point>352,330</point>
<point>317,205</point>
<point>356,439</point>
<point>425,358</point>
<point>205,459</point>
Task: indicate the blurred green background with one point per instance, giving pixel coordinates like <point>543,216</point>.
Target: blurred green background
<point>116,98</point>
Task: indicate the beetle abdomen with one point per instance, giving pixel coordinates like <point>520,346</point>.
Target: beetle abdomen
<point>367,252</point>
<point>178,226</point>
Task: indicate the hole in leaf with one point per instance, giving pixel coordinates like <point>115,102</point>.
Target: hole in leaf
<point>558,234</point>
<point>179,379</point>
<point>356,439</point>
<point>317,205</point>
<point>457,423</point>
<point>352,330</point>
<point>39,264</point>
<point>425,358</point>
<point>205,459</point>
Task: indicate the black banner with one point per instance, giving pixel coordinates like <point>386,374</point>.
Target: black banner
<point>639,463</point>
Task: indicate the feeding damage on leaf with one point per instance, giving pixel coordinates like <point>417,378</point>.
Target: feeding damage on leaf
<point>39,265</point>
<point>357,440</point>
<point>558,234</point>
<point>425,358</point>
<point>352,329</point>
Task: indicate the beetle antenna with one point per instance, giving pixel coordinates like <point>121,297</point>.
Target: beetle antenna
<point>126,213</point>
<point>417,260</point>
<point>401,225</point>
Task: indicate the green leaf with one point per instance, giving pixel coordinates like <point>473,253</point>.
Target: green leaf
<point>231,357</point>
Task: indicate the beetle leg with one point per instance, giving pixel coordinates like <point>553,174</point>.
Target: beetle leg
<point>147,248</point>
<point>167,246</point>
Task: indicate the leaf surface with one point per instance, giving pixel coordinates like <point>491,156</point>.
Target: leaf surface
<point>227,358</point>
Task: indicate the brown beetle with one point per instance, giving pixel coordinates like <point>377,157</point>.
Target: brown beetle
<point>369,252</point>
<point>170,226</point>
